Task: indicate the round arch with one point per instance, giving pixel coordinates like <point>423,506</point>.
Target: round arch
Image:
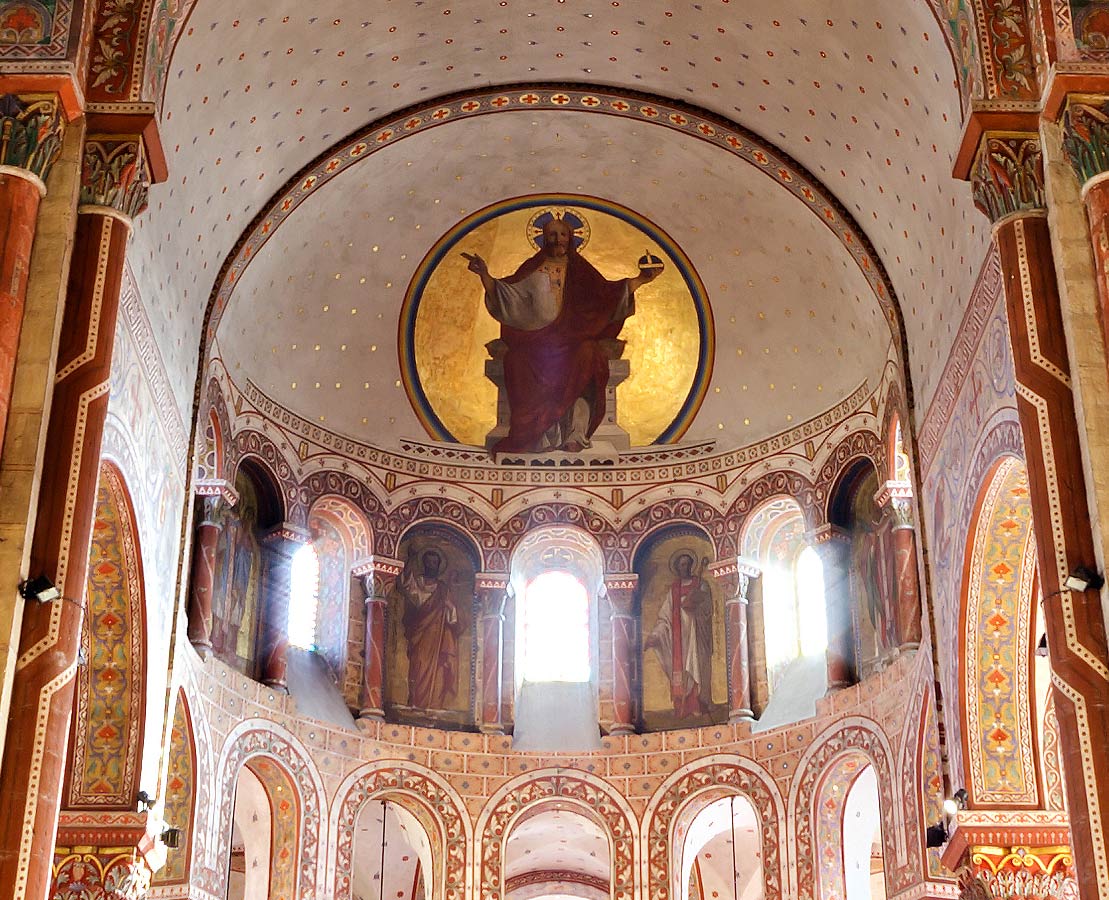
<point>263,738</point>
<point>996,624</point>
<point>424,794</point>
<point>515,797</point>
<point>676,800</point>
<point>861,736</point>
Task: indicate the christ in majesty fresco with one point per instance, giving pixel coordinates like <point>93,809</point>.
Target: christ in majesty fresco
<point>555,310</point>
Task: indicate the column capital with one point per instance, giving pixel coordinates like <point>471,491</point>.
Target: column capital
<point>897,496</point>
<point>219,488</point>
<point>31,128</point>
<point>825,536</point>
<point>620,589</point>
<point>115,176</point>
<point>1086,136</point>
<point>286,533</point>
<point>1007,176</point>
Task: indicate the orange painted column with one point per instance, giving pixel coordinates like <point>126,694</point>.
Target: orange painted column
<point>114,184</point>
<point>378,583</point>
<point>492,593</point>
<point>31,129</point>
<point>736,578</point>
<point>621,595</point>
<point>202,577</point>
<point>1008,186</point>
<point>833,545</point>
<point>897,497</point>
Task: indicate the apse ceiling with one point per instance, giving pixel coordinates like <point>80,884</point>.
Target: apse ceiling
<point>865,100</point>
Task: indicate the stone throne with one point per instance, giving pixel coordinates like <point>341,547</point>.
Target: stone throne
<point>607,440</point>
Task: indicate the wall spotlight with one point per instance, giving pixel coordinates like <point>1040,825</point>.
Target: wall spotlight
<point>171,837</point>
<point>143,803</point>
<point>40,589</point>
<point>935,835</point>
<point>952,805</point>
<point>1041,647</point>
<point>1083,579</point>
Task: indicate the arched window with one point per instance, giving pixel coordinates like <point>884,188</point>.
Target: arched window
<point>557,579</point>
<point>554,629</point>
<point>793,602</point>
<point>304,598</point>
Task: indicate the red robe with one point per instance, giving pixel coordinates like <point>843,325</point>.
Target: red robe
<point>546,370</point>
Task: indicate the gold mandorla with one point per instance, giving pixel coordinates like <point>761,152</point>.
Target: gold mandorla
<point>452,329</point>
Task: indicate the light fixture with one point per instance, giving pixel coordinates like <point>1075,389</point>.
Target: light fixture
<point>40,589</point>
<point>143,803</point>
<point>1041,647</point>
<point>171,837</point>
<point>954,804</point>
<point>1083,579</point>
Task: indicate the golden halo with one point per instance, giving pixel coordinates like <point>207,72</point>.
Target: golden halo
<point>683,552</point>
<point>579,225</point>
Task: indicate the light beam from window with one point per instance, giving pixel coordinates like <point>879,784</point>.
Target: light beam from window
<point>304,598</point>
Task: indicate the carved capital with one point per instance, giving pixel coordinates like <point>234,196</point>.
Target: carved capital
<point>378,575</point>
<point>115,174</point>
<point>1086,136</point>
<point>735,576</point>
<point>1008,174</point>
<point>492,591</point>
<point>1009,873</point>
<point>621,592</point>
<point>31,128</point>
<point>897,497</point>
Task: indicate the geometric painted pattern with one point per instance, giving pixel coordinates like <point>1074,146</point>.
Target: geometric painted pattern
<point>109,708</point>
<point>179,795</point>
<point>1001,586</point>
<point>830,823</point>
<point>284,823</point>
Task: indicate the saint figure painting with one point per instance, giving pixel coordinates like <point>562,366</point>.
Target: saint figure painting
<point>555,311</point>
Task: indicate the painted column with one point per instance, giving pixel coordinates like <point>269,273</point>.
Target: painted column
<point>621,595</point>
<point>278,548</point>
<point>897,497</point>
<point>1008,186</point>
<point>833,545</point>
<point>31,127</point>
<point>202,577</point>
<point>736,578</point>
<point>114,184</point>
<point>492,589</point>
<point>377,583</point>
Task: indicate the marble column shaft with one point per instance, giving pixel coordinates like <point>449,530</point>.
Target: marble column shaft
<point>492,596</point>
<point>377,584</point>
<point>202,578</point>
<point>832,544</point>
<point>621,594</point>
